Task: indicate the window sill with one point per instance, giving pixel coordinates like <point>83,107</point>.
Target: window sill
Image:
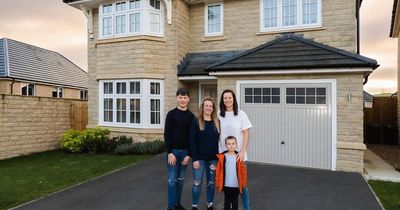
<point>279,31</point>
<point>130,38</point>
<point>132,130</point>
<point>213,38</point>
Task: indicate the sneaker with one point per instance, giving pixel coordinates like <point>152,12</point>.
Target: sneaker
<point>194,208</point>
<point>179,207</point>
<point>210,208</point>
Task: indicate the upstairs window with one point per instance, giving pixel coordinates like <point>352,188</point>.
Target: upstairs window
<point>28,89</point>
<point>58,92</point>
<point>130,18</point>
<point>290,14</point>
<point>214,20</point>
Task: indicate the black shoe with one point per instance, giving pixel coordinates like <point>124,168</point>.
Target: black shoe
<point>169,209</point>
<point>179,207</point>
<point>210,208</point>
<point>194,208</point>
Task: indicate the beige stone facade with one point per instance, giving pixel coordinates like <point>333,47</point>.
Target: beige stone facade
<point>30,124</point>
<point>150,57</point>
<point>41,90</point>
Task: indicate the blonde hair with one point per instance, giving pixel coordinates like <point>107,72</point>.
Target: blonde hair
<point>214,117</point>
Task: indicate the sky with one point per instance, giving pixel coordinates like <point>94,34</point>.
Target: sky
<point>53,25</point>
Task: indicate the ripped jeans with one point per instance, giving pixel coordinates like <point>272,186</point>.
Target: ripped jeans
<point>176,177</point>
<point>207,166</point>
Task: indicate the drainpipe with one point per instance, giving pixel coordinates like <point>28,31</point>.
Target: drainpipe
<point>11,85</point>
<point>358,4</point>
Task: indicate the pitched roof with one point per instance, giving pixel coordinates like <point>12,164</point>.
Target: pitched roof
<point>394,11</point>
<point>292,52</point>
<point>31,63</point>
<point>194,64</point>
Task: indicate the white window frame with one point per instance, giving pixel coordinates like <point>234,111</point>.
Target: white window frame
<point>83,94</point>
<point>27,89</point>
<point>299,20</point>
<point>58,90</point>
<point>144,96</point>
<point>144,12</point>
<point>206,32</point>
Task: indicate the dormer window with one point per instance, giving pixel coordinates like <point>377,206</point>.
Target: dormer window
<point>130,18</point>
<point>290,14</point>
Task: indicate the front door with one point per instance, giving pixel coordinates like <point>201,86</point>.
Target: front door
<point>208,89</point>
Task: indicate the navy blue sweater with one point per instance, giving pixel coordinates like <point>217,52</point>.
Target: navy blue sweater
<point>177,127</point>
<point>203,144</point>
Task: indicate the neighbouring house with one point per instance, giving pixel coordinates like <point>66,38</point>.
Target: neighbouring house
<point>33,71</point>
<point>294,66</point>
<point>395,33</point>
<point>367,98</point>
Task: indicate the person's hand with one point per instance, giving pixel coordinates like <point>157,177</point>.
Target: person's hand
<point>240,156</point>
<point>196,164</point>
<point>185,160</point>
<point>171,159</point>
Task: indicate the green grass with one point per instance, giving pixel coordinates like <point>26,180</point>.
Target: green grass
<point>26,178</point>
<point>388,193</point>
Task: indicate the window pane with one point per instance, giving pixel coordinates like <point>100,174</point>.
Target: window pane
<point>155,22</point>
<point>290,91</point>
<point>31,89</point>
<point>257,91</point>
<point>135,87</point>
<point>310,100</point>
<point>155,88</point>
<point>121,88</point>
<point>108,110</point>
<point>300,91</point>
<point>276,99</point>
<point>300,100</point>
<point>107,26</point>
<point>108,88</point>
<point>248,91</point>
<point>257,99</point>
<point>24,90</point>
<point>290,99</point>
<point>289,12</point>
<point>270,13</point>
<point>321,100</point>
<point>214,19</point>
<point>134,22</point>
<point>266,91</point>
<point>135,110</point>
<point>155,111</point>
<point>134,4</point>
<point>266,99</point>
<point>310,11</point>
<point>107,9</point>
<point>310,91</point>
<point>321,91</point>
<point>120,6</point>
<point>248,99</point>
<point>275,91</point>
<point>121,110</point>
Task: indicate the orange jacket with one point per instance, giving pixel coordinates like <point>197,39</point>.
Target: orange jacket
<point>220,173</point>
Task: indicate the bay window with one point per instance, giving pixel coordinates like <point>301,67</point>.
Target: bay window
<point>290,14</point>
<point>130,18</point>
<point>131,103</point>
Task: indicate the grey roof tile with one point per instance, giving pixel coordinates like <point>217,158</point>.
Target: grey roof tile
<point>28,62</point>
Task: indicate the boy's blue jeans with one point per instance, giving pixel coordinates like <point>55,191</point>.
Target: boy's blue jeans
<point>207,166</point>
<point>176,177</point>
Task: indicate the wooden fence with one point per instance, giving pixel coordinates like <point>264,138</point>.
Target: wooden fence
<point>79,115</point>
<point>380,121</point>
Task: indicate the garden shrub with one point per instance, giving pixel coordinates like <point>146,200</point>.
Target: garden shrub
<point>95,139</point>
<point>71,141</point>
<point>140,148</point>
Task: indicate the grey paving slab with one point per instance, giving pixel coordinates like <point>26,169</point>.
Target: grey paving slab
<point>144,186</point>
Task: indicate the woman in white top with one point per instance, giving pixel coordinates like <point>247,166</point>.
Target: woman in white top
<point>234,122</point>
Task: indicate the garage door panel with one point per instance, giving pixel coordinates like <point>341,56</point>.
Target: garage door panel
<point>296,132</point>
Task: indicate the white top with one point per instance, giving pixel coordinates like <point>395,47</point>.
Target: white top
<point>232,125</point>
<point>231,179</point>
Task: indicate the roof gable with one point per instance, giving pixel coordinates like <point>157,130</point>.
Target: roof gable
<point>31,63</point>
<point>292,52</point>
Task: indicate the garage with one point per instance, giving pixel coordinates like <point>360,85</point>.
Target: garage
<point>293,122</point>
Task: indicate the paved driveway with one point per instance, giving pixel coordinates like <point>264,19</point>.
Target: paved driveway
<point>143,187</point>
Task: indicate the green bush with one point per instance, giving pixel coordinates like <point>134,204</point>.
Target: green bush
<point>71,141</point>
<point>110,145</point>
<point>95,139</point>
<point>141,148</point>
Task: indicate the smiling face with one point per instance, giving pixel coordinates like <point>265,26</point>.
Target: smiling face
<point>182,101</point>
<point>228,101</point>
<point>208,108</point>
<point>231,144</point>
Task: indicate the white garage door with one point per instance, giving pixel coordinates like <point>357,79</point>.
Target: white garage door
<point>292,123</point>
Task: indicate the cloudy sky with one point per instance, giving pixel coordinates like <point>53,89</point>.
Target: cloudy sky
<point>54,25</point>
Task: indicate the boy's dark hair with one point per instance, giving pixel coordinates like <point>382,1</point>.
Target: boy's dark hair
<point>182,92</point>
<point>230,137</point>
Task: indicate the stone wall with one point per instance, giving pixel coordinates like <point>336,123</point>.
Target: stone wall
<point>242,26</point>
<point>350,146</point>
<point>31,124</point>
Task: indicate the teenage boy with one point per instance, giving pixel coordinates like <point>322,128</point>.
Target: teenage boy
<point>176,136</point>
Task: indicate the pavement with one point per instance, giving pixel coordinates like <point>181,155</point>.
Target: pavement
<point>144,186</point>
<point>377,169</point>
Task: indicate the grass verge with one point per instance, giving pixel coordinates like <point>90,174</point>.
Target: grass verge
<point>33,176</point>
<point>388,193</point>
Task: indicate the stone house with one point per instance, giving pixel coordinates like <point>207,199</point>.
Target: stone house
<point>395,33</point>
<point>33,71</point>
<point>294,66</point>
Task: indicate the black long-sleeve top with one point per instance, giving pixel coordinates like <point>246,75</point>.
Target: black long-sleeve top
<point>176,131</point>
<point>203,144</point>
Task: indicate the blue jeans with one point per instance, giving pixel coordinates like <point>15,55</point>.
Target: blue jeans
<point>245,196</point>
<point>176,177</point>
<point>207,166</point>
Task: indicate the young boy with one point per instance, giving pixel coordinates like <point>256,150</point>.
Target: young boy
<point>231,174</point>
<point>176,137</point>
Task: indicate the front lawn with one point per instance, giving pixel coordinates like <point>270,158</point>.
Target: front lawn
<point>388,193</point>
<point>26,178</point>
